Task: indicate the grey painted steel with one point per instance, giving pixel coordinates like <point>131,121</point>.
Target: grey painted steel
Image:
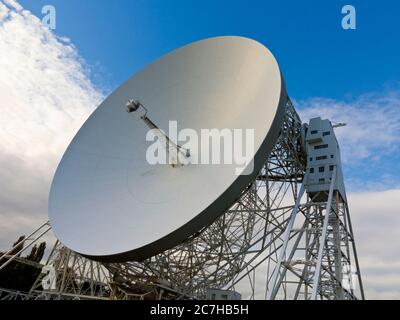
<point>273,283</point>
<point>323,239</point>
<point>107,203</point>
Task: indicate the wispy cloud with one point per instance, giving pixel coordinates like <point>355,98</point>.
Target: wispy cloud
<point>373,123</point>
<point>370,149</point>
<point>370,143</point>
<point>376,224</point>
<point>45,95</point>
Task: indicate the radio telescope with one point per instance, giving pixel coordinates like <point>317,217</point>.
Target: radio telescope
<point>130,229</point>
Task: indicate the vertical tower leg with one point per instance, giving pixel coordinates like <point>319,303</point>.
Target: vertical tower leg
<point>324,240</point>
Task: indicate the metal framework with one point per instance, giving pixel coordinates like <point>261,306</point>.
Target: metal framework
<point>316,261</point>
<point>230,249</point>
<point>268,245</point>
<point>68,275</point>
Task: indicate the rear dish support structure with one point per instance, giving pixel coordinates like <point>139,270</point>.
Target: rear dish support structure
<point>227,253</point>
<point>253,248</point>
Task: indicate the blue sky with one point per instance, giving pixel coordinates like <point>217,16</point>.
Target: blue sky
<point>347,76</point>
<point>317,56</point>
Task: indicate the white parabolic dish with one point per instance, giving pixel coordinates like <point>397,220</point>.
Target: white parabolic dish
<point>108,203</point>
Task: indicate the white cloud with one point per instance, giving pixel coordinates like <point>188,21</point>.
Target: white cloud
<point>373,123</point>
<point>13,4</point>
<point>45,95</point>
<point>370,140</point>
<point>376,224</point>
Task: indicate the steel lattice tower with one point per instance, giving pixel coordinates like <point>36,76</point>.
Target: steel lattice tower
<point>288,236</point>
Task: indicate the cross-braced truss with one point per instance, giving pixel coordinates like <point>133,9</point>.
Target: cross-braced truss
<point>267,245</point>
<point>318,259</point>
<point>68,275</point>
<point>249,233</point>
